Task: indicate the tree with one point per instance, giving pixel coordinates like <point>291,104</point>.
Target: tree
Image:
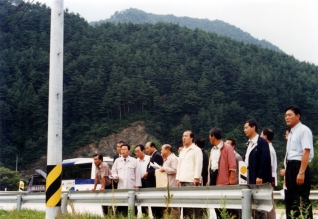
<point>9,179</point>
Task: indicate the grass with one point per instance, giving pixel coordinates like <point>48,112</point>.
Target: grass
<point>25,214</point>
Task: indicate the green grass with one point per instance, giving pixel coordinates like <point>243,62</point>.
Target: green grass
<point>25,214</point>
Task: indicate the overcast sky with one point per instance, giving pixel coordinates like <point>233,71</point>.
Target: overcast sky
<point>292,25</point>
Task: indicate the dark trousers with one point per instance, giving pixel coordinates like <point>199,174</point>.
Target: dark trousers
<point>297,197</point>
<point>213,177</point>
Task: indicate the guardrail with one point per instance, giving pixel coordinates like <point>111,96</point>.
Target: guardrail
<point>245,197</point>
<point>313,195</point>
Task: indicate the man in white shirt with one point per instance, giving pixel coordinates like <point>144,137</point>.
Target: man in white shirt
<point>268,135</point>
<point>125,170</point>
<point>143,161</point>
<point>299,153</point>
<point>170,165</point>
<point>189,167</point>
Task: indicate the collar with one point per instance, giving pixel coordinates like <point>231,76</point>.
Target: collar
<point>255,139</point>
<point>295,127</point>
<point>219,146</point>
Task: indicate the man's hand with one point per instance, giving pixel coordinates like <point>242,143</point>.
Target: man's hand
<point>282,172</point>
<point>93,189</point>
<point>162,170</point>
<point>259,181</point>
<point>178,183</point>
<point>232,181</point>
<point>144,176</point>
<point>101,189</point>
<point>300,179</point>
<point>196,181</point>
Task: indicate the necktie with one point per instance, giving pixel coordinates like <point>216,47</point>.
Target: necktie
<point>124,159</point>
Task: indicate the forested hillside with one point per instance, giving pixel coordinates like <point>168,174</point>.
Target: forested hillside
<point>216,26</point>
<point>171,77</point>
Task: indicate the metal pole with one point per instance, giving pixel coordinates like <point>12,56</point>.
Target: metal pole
<point>64,203</point>
<point>131,204</point>
<point>54,147</point>
<point>19,198</point>
<point>246,203</point>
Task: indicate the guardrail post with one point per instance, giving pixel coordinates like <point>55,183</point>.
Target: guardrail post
<point>131,204</point>
<point>64,202</point>
<point>19,200</point>
<point>246,203</point>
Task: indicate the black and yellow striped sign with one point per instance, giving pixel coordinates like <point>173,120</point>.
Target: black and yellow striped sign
<point>53,185</point>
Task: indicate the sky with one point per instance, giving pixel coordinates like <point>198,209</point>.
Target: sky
<point>292,25</point>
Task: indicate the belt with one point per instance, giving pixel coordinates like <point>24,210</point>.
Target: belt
<point>213,170</point>
<point>293,161</point>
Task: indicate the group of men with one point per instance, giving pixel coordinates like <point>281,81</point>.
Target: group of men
<point>193,167</point>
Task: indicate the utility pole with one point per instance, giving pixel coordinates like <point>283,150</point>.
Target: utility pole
<point>54,143</point>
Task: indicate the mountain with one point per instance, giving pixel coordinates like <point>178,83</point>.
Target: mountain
<point>219,27</point>
<point>171,77</point>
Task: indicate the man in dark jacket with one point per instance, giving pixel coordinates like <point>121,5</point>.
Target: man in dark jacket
<point>257,159</point>
<point>155,156</point>
<point>200,143</point>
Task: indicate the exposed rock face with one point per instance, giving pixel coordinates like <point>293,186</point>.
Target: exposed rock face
<point>133,135</point>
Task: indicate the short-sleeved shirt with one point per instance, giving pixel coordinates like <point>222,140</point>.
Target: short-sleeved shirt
<point>299,139</point>
<point>103,171</point>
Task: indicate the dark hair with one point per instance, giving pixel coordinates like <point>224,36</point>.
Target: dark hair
<point>127,145</point>
<point>142,147</point>
<point>269,133</point>
<point>216,132</point>
<point>100,157</point>
<point>233,141</point>
<point>121,142</point>
<point>200,142</point>
<point>152,144</point>
<point>252,123</point>
<point>191,133</point>
<point>295,109</point>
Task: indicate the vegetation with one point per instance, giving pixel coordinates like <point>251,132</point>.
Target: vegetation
<point>9,179</point>
<point>172,77</point>
<point>219,27</point>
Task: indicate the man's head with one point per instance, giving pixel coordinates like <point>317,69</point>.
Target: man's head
<point>150,147</point>
<point>215,136</point>
<point>118,146</point>
<point>292,116</point>
<point>187,138</point>
<point>232,142</point>
<point>140,151</point>
<point>200,143</point>
<point>250,128</point>
<point>98,159</point>
<point>268,134</point>
<point>166,150</point>
<point>125,150</point>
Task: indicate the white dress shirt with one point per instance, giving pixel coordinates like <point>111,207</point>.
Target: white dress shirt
<point>127,172</point>
<point>299,139</point>
<point>190,164</point>
<point>142,164</point>
<point>215,156</point>
<point>251,144</point>
<point>273,161</point>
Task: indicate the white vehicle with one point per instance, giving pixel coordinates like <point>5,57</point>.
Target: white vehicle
<point>78,174</point>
